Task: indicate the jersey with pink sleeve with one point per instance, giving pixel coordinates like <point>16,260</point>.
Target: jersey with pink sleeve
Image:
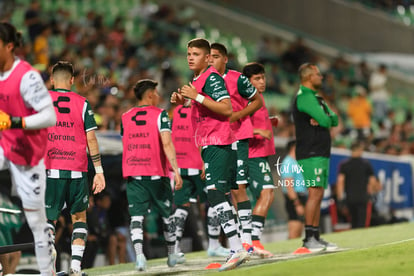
<point>210,128</point>
<point>67,143</point>
<point>143,153</point>
<point>240,90</point>
<point>258,145</point>
<point>188,155</point>
<point>23,93</point>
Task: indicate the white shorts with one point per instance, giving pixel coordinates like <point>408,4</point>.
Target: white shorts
<point>28,181</point>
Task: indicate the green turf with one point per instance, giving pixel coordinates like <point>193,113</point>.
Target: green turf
<point>385,250</point>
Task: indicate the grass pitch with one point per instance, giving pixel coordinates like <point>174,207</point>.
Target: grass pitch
<point>384,250</point>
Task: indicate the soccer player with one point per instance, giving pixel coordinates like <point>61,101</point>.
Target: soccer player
<point>67,161</point>
<point>210,116</point>
<point>313,119</point>
<point>191,168</point>
<point>147,147</point>
<point>245,101</point>
<point>26,110</point>
<point>261,146</point>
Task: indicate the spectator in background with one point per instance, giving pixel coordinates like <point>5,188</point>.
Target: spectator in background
<point>360,110</point>
<point>41,48</point>
<point>378,92</point>
<point>33,20</point>
<point>355,184</point>
<point>294,190</point>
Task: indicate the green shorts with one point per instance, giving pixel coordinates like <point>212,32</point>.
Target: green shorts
<point>220,165</point>
<point>74,192</point>
<point>260,175</point>
<point>147,193</point>
<point>192,190</point>
<point>242,162</point>
<point>6,237</point>
<point>315,171</point>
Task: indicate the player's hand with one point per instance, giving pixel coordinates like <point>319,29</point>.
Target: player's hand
<point>313,122</point>
<point>203,173</point>
<point>5,121</point>
<point>177,98</point>
<point>267,134</point>
<point>98,183</point>
<point>189,91</point>
<point>235,116</point>
<point>274,120</point>
<point>178,181</point>
<point>300,210</point>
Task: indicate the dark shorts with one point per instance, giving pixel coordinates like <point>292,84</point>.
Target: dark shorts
<point>242,162</point>
<point>74,192</point>
<point>315,171</point>
<point>291,209</point>
<point>260,175</point>
<point>192,190</point>
<point>147,193</point>
<point>220,164</point>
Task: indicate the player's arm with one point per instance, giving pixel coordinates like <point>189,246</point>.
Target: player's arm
<point>307,103</point>
<point>340,187</point>
<point>93,147</point>
<point>36,96</point>
<point>215,88</point>
<point>248,91</point>
<point>168,146</point>
<point>265,133</point>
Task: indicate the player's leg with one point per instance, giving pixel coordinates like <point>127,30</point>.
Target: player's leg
<point>78,203</point>
<point>262,188</point>
<point>242,201</point>
<point>31,184</point>
<point>162,199</point>
<point>139,203</point>
<point>217,160</point>
<point>182,201</point>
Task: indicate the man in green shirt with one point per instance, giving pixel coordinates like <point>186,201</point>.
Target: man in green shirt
<point>313,119</point>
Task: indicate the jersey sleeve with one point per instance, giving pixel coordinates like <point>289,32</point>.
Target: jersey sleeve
<point>308,103</point>
<point>164,122</point>
<point>88,117</point>
<point>34,92</point>
<point>216,88</point>
<point>245,88</point>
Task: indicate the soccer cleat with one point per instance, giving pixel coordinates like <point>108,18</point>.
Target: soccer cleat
<point>313,245</point>
<point>141,263</point>
<point>181,258</point>
<point>261,252</point>
<point>328,245</point>
<point>235,260</point>
<point>248,247</point>
<point>175,258</point>
<point>218,252</point>
<point>74,272</point>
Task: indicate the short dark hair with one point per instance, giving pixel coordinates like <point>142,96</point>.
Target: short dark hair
<point>200,43</point>
<point>357,145</point>
<point>63,67</point>
<point>304,70</point>
<point>290,145</point>
<point>219,47</point>
<point>9,34</point>
<point>142,86</point>
<point>253,68</point>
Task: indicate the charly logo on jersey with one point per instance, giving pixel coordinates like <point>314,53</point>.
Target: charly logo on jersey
<point>56,153</point>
